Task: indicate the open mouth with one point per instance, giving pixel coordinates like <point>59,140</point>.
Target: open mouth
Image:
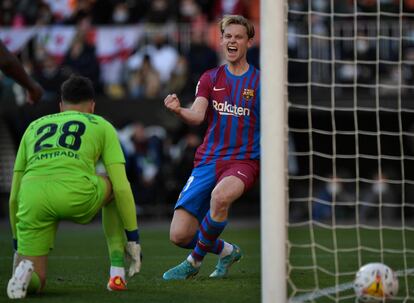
<point>232,49</point>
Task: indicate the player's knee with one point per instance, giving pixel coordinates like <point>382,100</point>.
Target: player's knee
<point>180,239</point>
<point>220,201</point>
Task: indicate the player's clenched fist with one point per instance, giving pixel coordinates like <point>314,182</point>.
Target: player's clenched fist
<point>172,103</point>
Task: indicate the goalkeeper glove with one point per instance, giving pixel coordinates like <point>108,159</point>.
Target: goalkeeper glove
<point>134,257</point>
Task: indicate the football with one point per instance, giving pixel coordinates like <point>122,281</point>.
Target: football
<point>375,282</point>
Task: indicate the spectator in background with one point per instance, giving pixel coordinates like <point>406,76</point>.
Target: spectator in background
<point>121,13</point>
<point>179,76</point>
<point>182,157</point>
<point>253,56</point>
<point>327,196</point>
<point>81,59</point>
<point>161,11</point>
<point>27,11</point>
<point>200,56</point>
<point>379,194</point>
<point>50,76</point>
<point>144,152</point>
<point>163,57</point>
<point>190,12</point>
<point>228,7</point>
<point>44,15</point>
<point>144,82</point>
<point>7,12</point>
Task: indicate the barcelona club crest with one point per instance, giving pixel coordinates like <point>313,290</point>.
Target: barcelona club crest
<point>248,93</point>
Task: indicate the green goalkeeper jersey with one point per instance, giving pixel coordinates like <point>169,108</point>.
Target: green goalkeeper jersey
<point>68,143</point>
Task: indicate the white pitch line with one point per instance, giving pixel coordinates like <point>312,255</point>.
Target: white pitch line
<point>332,290</point>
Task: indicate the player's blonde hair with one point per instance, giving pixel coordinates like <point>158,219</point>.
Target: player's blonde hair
<point>237,19</point>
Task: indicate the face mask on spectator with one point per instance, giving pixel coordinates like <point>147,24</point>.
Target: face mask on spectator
<point>188,9</point>
<point>380,187</point>
<point>362,45</point>
<point>120,15</point>
<point>334,187</point>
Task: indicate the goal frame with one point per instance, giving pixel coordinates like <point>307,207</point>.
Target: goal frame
<point>273,150</point>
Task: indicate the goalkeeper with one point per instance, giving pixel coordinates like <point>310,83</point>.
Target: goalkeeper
<point>54,179</point>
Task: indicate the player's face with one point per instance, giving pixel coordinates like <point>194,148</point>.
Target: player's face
<point>235,43</point>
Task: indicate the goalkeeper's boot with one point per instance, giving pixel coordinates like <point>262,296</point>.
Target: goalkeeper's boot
<point>182,271</point>
<point>19,282</point>
<point>224,264</point>
<point>116,284</point>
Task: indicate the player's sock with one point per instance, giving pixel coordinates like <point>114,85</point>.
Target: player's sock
<point>210,230</point>
<point>220,247</point>
<point>34,284</point>
<point>117,271</point>
<point>193,242</point>
<point>114,234</point>
<point>226,250</point>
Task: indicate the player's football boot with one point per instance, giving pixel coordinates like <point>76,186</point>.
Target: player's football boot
<point>224,264</point>
<point>19,282</point>
<point>116,284</point>
<point>182,271</point>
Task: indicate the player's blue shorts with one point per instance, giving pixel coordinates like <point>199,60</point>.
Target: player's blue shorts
<point>196,195</point>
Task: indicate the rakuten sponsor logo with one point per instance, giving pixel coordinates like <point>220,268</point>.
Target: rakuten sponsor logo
<point>229,109</point>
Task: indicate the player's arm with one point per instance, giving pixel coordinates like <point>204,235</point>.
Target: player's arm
<point>13,205</point>
<point>194,115</point>
<point>12,68</point>
<point>123,196</point>
<point>19,167</point>
<point>126,208</point>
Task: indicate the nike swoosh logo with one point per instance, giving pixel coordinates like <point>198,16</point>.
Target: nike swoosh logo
<point>240,173</point>
<point>218,89</point>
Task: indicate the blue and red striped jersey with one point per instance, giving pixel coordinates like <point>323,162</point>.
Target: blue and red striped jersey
<point>233,115</point>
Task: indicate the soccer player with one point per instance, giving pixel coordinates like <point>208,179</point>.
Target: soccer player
<point>12,68</point>
<point>54,179</point>
<point>226,164</point>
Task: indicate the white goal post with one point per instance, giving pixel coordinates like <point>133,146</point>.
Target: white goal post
<point>273,154</point>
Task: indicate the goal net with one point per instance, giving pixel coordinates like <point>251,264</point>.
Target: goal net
<point>351,145</point>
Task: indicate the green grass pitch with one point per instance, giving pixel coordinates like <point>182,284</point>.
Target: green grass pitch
<point>78,266</point>
<point>78,269</point>
<point>391,246</point>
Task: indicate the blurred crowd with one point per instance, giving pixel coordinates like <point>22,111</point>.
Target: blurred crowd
<point>128,48</point>
<point>115,12</point>
<point>372,43</point>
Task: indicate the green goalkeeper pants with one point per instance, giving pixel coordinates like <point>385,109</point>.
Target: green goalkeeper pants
<point>45,201</point>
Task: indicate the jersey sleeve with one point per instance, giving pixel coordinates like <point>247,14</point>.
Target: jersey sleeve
<point>21,160</point>
<point>112,151</point>
<point>19,168</point>
<point>123,196</point>
<point>203,88</point>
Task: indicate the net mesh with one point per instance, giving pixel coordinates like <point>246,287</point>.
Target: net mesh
<point>351,145</point>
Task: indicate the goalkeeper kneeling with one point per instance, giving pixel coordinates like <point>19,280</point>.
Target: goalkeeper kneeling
<point>54,179</point>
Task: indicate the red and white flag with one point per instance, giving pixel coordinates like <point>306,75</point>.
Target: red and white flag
<point>116,42</point>
<point>16,38</point>
<point>56,39</point>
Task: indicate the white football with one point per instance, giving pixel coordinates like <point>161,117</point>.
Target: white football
<point>375,282</point>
